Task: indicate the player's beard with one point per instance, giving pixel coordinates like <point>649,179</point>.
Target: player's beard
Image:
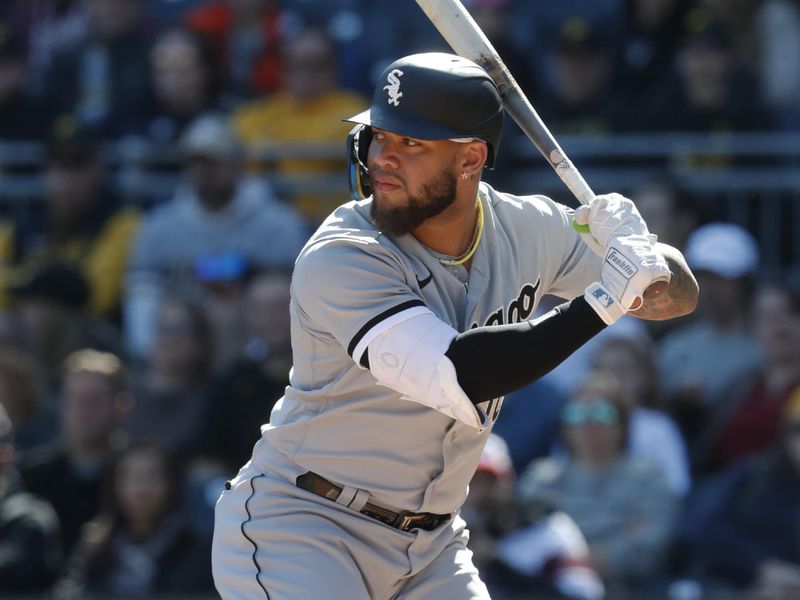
<point>436,196</point>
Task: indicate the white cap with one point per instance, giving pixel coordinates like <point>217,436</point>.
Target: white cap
<point>212,135</point>
<point>724,249</point>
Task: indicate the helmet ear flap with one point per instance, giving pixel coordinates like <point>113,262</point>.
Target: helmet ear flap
<point>358,141</point>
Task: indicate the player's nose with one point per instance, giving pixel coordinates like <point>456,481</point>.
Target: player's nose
<point>385,153</point>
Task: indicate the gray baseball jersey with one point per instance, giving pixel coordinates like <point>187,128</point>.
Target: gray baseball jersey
<point>350,281</point>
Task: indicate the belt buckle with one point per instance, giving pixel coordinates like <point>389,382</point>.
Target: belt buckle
<point>406,520</point>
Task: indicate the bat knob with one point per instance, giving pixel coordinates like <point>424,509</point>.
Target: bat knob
<point>655,289</point>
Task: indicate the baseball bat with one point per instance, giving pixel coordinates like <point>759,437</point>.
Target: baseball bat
<point>467,39</point>
<point>460,30</point>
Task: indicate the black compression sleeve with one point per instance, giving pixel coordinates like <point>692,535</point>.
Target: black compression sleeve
<point>493,361</point>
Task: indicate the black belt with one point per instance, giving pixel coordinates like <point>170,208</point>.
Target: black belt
<point>404,520</point>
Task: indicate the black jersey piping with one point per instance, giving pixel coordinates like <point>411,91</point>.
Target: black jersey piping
<point>248,538</point>
<point>377,319</point>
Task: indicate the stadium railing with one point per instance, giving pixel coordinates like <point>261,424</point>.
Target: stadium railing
<point>751,179</point>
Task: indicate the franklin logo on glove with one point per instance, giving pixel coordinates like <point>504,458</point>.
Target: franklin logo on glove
<point>628,270</point>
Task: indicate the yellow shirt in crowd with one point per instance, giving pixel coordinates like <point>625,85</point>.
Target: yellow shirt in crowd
<point>280,123</point>
<point>102,259</point>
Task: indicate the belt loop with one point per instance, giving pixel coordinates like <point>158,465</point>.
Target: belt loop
<point>346,496</point>
<point>361,498</point>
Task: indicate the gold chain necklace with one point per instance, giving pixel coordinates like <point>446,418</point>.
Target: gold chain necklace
<point>452,261</point>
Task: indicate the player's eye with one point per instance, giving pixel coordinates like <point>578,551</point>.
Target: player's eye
<point>378,135</point>
<point>410,142</point>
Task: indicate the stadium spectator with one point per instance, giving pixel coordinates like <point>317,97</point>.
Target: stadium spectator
<point>777,33</point>
<point>523,550</point>
<point>536,24</point>
<point>185,83</point>
<point>22,116</point>
<point>346,22</point>
<point>21,395</point>
<point>48,28</point>
<point>568,376</point>
<point>243,394</point>
<point>69,474</point>
<point>671,213</point>
<point>737,16</point>
<point>529,423</point>
<point>170,400</point>
<point>243,397</point>
<point>622,504</point>
<point>400,30</point>
<point>141,544</point>
<point>217,210</point>
<point>103,79</point>
<point>51,321</point>
<point>703,93</point>
<point>30,540</point>
<point>652,434</point>
<point>746,418</point>
<point>301,121</point>
<point>742,533</point>
<point>169,13</point>
<point>224,279</point>
<point>247,36</point>
<point>493,17</point>
<point>581,98</point>
<point>698,360</point>
<point>648,43</point>
<point>83,223</point>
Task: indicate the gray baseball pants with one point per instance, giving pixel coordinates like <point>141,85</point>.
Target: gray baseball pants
<point>275,541</point>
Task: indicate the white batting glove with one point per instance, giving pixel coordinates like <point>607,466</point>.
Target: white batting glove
<point>606,217</point>
<point>630,266</point>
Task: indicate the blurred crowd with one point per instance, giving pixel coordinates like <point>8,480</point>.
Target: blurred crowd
<point>142,344</point>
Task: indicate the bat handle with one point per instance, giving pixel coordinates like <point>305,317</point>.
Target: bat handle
<point>571,177</point>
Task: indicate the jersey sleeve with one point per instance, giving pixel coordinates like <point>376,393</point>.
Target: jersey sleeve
<point>572,265</point>
<point>351,292</point>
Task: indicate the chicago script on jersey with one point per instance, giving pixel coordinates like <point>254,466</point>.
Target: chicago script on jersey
<point>518,310</point>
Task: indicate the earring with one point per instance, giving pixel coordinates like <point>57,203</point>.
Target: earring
<point>464,175</point>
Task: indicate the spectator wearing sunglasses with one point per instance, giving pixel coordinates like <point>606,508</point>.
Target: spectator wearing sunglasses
<point>623,505</point>
<point>652,432</point>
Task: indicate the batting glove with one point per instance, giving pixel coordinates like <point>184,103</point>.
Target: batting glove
<point>607,217</point>
<point>630,266</point>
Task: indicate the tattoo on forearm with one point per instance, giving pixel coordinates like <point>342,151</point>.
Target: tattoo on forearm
<point>680,297</point>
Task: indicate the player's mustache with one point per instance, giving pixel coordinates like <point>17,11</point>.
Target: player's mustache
<point>375,172</point>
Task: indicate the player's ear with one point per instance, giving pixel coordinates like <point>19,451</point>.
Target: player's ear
<point>473,157</point>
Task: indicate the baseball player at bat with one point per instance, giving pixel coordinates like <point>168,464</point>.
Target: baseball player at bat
<point>412,315</point>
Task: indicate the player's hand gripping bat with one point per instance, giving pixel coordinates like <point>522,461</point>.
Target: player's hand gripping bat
<point>467,39</point>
